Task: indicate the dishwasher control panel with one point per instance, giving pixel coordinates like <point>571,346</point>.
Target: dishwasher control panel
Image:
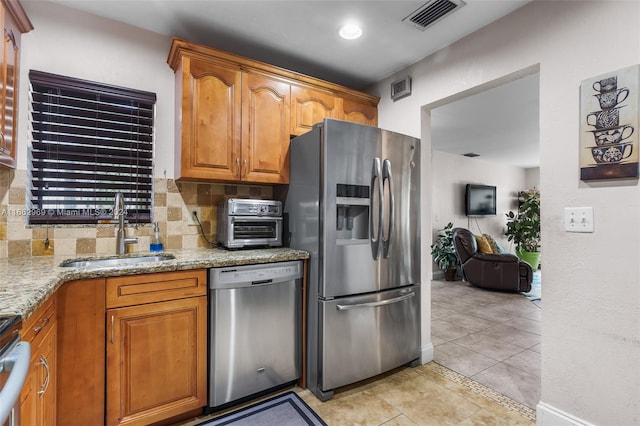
<point>249,275</point>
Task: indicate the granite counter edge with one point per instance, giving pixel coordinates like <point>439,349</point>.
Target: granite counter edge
<point>28,303</point>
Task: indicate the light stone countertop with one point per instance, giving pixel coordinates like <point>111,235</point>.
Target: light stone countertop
<point>26,282</point>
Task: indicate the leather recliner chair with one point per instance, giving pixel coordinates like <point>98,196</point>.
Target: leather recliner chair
<point>496,271</point>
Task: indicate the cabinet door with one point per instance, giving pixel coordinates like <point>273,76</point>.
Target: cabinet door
<point>361,113</point>
<point>44,363</point>
<point>29,396</point>
<point>310,106</point>
<point>265,129</point>
<point>9,93</point>
<point>38,396</point>
<point>156,361</point>
<point>211,122</point>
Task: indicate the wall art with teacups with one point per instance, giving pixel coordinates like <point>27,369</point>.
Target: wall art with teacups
<point>609,125</point>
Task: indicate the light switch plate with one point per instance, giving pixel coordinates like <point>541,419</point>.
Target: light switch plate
<point>578,219</point>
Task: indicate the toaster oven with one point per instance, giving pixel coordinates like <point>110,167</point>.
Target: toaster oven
<point>244,223</point>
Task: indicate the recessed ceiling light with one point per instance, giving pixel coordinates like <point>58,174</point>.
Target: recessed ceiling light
<point>350,31</point>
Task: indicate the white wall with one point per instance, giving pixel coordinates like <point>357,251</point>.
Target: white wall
<point>76,44</point>
<point>452,172</point>
<point>532,178</point>
<point>591,286</point>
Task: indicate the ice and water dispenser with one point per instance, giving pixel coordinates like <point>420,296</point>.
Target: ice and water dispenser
<point>352,212</point>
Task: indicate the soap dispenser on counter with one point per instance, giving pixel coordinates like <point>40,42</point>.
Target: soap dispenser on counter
<point>156,244</point>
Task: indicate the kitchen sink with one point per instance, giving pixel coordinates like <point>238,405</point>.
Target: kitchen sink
<point>116,261</point>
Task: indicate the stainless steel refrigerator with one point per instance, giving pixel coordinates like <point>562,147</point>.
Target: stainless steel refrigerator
<point>354,204</point>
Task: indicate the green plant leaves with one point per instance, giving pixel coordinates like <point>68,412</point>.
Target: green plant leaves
<point>442,249</point>
<point>523,228</point>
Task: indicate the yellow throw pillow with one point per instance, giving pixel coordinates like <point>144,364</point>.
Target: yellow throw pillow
<point>492,243</point>
<point>483,244</point>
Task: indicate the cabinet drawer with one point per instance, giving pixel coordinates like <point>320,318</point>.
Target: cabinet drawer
<point>38,324</point>
<point>148,288</point>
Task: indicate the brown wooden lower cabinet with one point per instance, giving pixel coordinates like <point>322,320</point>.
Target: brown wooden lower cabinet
<point>132,350</point>
<point>38,408</point>
<point>128,350</point>
<point>38,396</point>
<point>155,369</point>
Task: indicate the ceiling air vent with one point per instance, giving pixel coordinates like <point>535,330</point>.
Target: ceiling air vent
<point>431,12</point>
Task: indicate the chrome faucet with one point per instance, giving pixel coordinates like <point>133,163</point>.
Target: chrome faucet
<point>121,235</point>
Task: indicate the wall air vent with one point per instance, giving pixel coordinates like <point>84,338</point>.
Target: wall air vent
<point>401,88</point>
<point>431,12</point>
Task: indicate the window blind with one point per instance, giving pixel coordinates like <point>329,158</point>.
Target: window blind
<point>89,141</point>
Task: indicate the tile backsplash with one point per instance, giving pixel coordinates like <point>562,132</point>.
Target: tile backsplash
<point>172,206</point>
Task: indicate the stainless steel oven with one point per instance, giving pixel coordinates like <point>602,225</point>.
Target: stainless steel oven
<point>244,223</point>
<point>14,365</point>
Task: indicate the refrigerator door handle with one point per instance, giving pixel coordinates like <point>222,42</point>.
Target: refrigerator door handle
<point>386,177</point>
<point>375,232</point>
<point>375,304</point>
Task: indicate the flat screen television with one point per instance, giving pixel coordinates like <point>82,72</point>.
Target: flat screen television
<point>480,200</point>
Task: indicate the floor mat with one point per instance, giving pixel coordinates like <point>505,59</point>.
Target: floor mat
<point>283,410</point>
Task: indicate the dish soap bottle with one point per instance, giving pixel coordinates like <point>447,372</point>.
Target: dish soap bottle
<point>155,245</point>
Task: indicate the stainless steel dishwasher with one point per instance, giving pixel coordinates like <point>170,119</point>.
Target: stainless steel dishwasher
<point>255,329</point>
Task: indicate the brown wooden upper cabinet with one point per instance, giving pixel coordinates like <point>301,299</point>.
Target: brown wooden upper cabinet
<point>359,112</point>
<point>14,22</point>
<point>236,115</point>
<point>235,125</point>
<point>211,126</point>
<point>265,129</point>
<point>310,106</point>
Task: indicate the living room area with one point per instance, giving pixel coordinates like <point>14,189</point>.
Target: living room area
<point>490,337</point>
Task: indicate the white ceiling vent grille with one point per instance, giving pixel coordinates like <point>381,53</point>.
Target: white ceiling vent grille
<point>431,12</point>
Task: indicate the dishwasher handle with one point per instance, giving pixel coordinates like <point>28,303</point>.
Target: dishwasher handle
<point>16,362</point>
<point>246,276</point>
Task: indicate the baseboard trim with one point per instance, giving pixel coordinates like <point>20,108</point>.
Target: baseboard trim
<point>427,353</point>
<point>549,415</point>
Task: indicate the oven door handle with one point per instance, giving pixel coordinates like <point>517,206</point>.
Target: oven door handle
<point>17,363</point>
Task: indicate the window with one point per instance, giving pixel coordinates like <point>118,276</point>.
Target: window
<point>89,141</point>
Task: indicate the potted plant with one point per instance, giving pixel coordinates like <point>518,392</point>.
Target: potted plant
<point>444,253</point>
<point>523,228</point>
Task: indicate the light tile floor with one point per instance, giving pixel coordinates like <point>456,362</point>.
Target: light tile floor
<point>490,337</point>
<point>426,395</point>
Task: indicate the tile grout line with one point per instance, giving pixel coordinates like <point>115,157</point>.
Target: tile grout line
<point>483,390</point>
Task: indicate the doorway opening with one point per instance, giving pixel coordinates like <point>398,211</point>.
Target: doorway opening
<point>487,135</point>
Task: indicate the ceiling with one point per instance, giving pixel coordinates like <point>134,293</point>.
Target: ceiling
<point>302,35</point>
<point>499,124</point>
